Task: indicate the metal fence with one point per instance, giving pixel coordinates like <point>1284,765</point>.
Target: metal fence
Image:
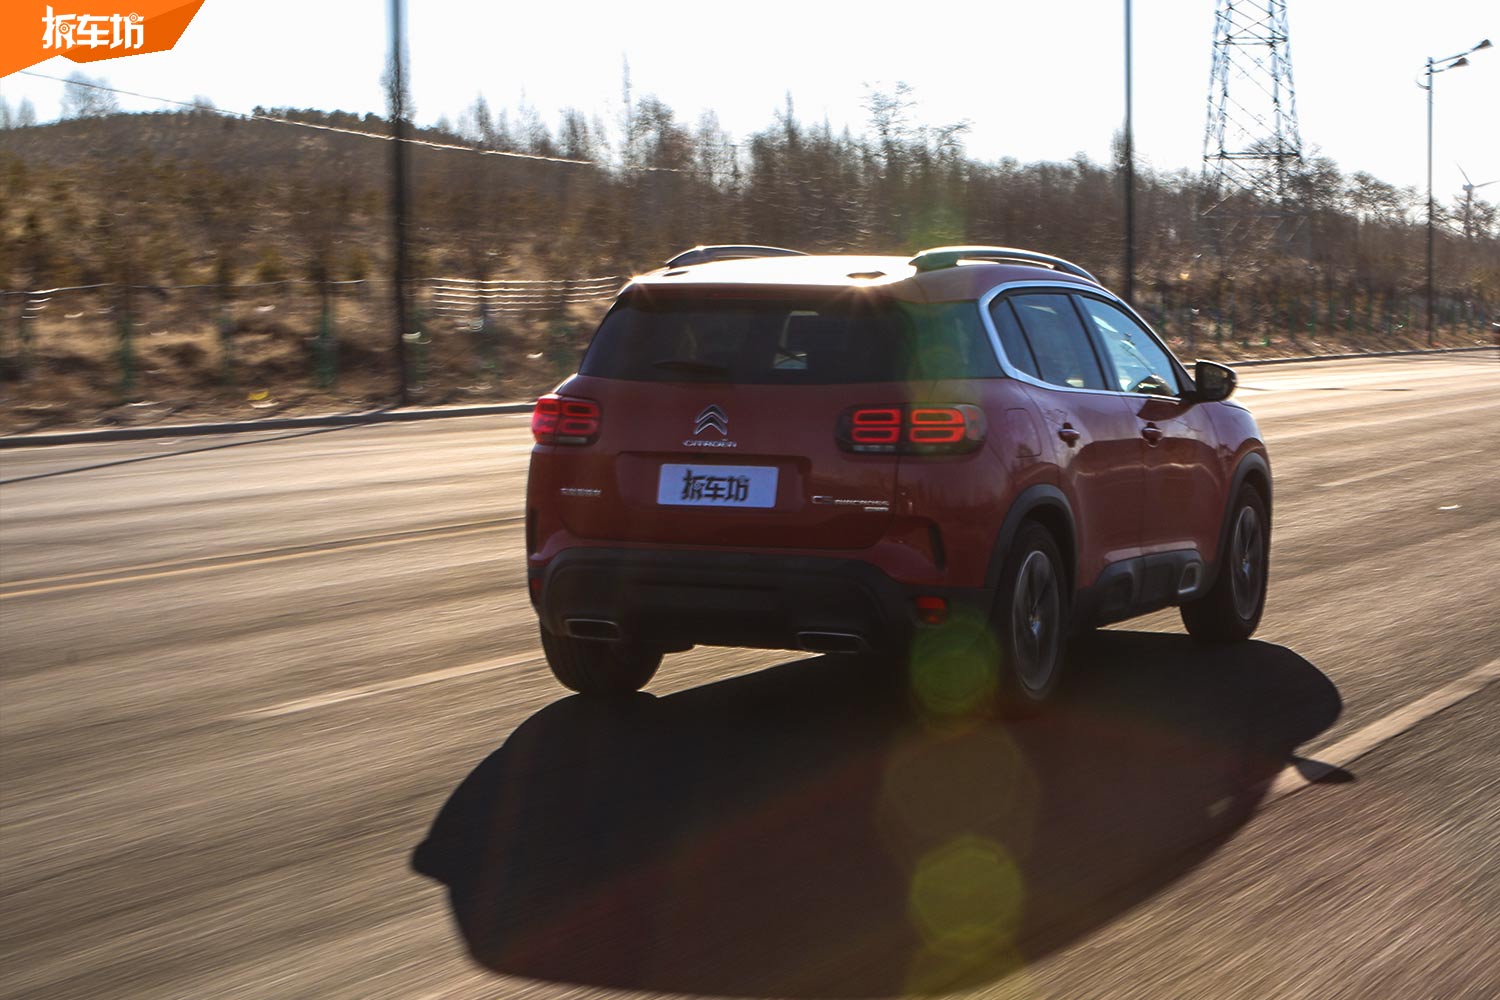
<point>466,301</point>
<point>1259,319</point>
<point>290,329</point>
<point>313,333</point>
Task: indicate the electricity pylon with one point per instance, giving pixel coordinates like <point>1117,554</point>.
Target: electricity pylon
<point>1252,145</point>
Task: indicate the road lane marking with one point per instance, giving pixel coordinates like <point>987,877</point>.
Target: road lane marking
<point>1388,470</point>
<point>1346,751</point>
<point>258,553</point>
<point>1422,409</point>
<point>156,571</point>
<point>174,454</point>
<point>387,687</point>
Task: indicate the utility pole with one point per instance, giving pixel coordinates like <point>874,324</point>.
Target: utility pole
<point>401,263</point>
<point>1129,170</point>
<point>1431,310</point>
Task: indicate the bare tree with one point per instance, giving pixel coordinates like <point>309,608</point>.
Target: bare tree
<point>477,124</point>
<point>890,114</point>
<point>85,97</point>
<point>576,139</point>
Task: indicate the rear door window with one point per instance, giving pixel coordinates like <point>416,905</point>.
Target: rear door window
<point>1012,340</point>
<point>819,340</point>
<point>1058,340</point>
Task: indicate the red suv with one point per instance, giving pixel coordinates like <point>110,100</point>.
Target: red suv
<point>952,461</point>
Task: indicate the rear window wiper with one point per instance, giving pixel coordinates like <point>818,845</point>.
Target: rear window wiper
<point>690,367</point>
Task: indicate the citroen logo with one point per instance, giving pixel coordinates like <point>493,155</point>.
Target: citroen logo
<point>713,417</point>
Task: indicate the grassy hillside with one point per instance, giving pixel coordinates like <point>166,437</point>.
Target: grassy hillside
<point>244,263</point>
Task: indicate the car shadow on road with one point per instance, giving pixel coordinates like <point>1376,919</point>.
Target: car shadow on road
<point>803,832</point>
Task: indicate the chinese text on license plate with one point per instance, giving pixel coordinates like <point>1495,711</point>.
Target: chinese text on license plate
<point>716,486</point>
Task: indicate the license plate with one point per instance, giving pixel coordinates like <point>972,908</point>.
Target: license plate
<point>716,486</point>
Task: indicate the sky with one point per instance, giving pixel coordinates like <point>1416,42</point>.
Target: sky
<point>1037,81</point>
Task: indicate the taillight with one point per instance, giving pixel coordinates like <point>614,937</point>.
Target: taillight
<point>935,425</point>
<point>917,429</point>
<point>564,420</point>
<point>876,427</point>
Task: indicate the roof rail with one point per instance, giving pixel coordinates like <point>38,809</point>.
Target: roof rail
<point>940,257</point>
<point>700,255</point>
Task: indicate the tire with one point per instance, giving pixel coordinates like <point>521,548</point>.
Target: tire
<point>1031,622</point>
<point>1231,610</point>
<point>599,669</point>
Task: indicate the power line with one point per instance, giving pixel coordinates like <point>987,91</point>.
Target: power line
<point>253,116</point>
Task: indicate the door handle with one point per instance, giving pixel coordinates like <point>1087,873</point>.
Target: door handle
<point>1069,435</point>
<point>1152,434</point>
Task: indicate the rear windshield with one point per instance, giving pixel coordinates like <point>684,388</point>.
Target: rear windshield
<point>810,340</point>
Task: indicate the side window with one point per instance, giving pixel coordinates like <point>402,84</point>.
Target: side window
<point>1140,362</point>
<point>1012,340</point>
<point>1058,341</point>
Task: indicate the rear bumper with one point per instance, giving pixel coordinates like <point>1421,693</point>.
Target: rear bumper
<point>681,598</point>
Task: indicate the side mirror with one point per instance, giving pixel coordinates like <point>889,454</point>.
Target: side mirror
<point>1212,382</point>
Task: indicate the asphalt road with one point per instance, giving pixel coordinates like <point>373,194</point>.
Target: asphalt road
<point>243,678</point>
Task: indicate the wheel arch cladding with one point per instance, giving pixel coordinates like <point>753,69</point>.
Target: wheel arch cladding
<point>1049,507</point>
<point>1253,471</point>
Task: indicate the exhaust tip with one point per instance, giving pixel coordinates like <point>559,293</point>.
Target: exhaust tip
<point>600,629</point>
<point>1192,575</point>
<point>830,642</point>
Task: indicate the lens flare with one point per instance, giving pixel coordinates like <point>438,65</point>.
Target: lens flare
<point>942,785</point>
<point>966,901</point>
<point>955,668</point>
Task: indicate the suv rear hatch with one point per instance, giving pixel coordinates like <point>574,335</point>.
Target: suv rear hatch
<point>725,417</point>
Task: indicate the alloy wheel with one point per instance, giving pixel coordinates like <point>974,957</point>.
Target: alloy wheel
<point>1036,621</point>
<point>1248,566</point>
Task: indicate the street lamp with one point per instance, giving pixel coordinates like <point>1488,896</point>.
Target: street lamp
<point>1434,67</point>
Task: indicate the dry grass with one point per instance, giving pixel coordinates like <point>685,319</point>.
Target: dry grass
<point>73,375</point>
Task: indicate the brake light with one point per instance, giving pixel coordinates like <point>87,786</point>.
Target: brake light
<point>876,426</point>
<point>935,425</point>
<point>926,429</point>
<point>565,420</point>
